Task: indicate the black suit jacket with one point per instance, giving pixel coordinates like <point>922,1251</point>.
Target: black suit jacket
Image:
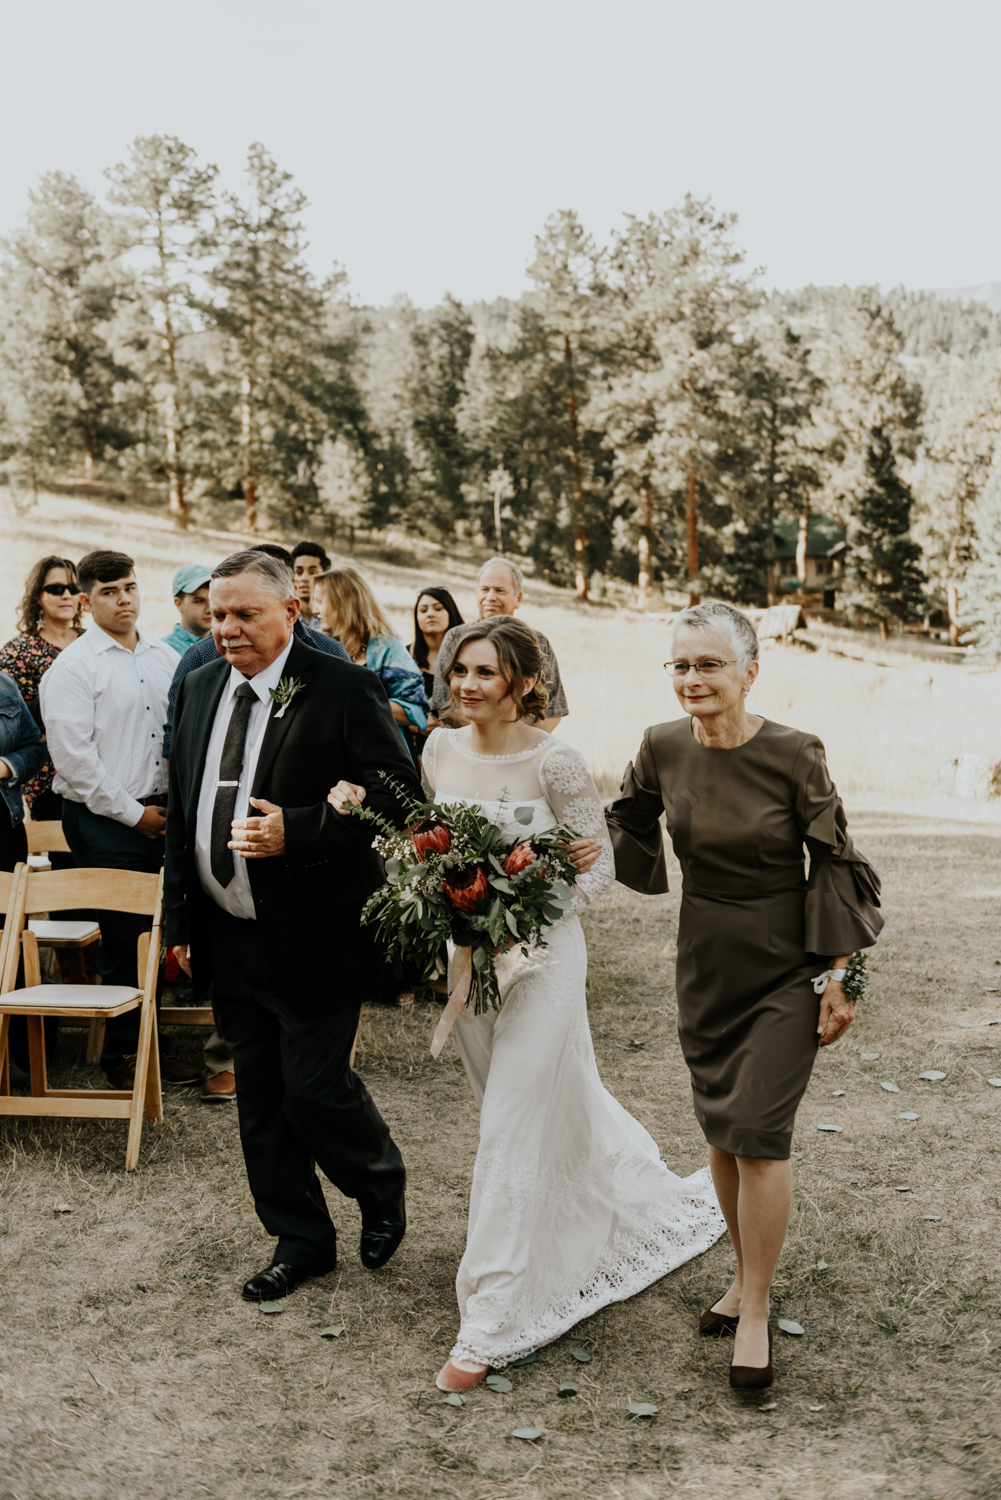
<point>308,901</point>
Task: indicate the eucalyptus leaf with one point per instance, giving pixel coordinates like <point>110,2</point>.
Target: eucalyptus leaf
<point>332,1333</point>
<point>480,958</point>
<point>837,1093</point>
<point>526,1359</point>
<point>501,883</point>
<point>512,925</point>
<point>529,1434</point>
<point>902,1188</point>
<point>270,1308</point>
<point>568,1388</point>
<point>836,1129</point>
<point>909,1114</point>
<point>821,1265</point>
<point>870,1056</point>
<point>454,1399</point>
<point>933,1076</point>
<point>642,1409</point>
<point>524,815</point>
<point>995,1083</point>
<point>932,1218</point>
<point>582,1355</point>
<point>393,867</point>
<point>891,1088</point>
<point>788,1326</point>
<point>499,1383</point>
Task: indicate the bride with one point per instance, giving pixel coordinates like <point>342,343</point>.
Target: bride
<point>571,1206</point>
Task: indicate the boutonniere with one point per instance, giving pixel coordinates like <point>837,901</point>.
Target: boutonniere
<point>285,692</point>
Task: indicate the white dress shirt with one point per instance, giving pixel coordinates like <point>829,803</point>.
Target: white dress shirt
<point>103,706</point>
<point>237,897</point>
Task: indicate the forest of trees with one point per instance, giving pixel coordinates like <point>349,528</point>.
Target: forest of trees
<point>645,412</point>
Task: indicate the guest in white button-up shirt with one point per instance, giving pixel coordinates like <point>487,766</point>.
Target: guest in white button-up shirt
<point>103,702</point>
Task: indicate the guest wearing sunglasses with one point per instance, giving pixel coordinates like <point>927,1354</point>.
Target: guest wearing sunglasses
<point>49,619</point>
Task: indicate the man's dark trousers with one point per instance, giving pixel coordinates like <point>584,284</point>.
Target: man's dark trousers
<point>101,843</point>
<point>300,1103</point>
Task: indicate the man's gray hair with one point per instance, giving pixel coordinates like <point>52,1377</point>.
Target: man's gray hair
<point>517,576</point>
<point>273,573</point>
<point>716,614</point>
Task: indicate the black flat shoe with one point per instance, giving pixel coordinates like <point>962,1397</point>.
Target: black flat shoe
<point>715,1325</point>
<point>381,1236</point>
<point>753,1377</point>
<point>279,1279</point>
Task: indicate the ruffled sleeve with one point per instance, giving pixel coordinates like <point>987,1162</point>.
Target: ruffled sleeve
<point>842,895</point>
<point>634,826</point>
<point>573,797</point>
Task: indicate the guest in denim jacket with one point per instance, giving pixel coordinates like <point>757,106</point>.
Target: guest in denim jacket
<point>22,755</point>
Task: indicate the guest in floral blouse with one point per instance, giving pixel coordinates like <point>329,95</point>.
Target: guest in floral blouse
<point>49,620</point>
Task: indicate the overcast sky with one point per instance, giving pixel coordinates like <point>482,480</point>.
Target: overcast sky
<point>857,141</point>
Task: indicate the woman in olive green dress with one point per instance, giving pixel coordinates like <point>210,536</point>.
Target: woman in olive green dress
<point>742,795</point>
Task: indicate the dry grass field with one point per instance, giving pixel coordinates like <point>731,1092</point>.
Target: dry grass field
<point>130,1367</point>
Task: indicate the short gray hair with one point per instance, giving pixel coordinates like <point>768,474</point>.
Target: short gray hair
<point>273,573</point>
<point>716,614</point>
<point>517,576</point>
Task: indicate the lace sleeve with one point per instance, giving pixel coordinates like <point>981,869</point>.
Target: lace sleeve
<point>428,757</point>
<point>574,799</point>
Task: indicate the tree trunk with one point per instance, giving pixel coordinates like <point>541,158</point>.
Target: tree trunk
<point>246,444</point>
<point>580,535</point>
<point>175,478</point>
<point>89,462</point>
<point>884,631</point>
<point>802,542</point>
<point>952,606</point>
<point>497,521</point>
<point>645,526</point>
<point>692,526</point>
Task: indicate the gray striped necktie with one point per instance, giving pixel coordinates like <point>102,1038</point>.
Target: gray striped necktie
<point>230,768</point>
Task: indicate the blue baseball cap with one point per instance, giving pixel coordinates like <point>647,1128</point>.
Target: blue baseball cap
<point>191,577</point>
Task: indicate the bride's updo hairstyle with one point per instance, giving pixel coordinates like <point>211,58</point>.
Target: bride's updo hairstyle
<point>519,656</point>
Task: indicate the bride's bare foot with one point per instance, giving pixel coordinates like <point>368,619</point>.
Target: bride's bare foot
<point>460,1375</point>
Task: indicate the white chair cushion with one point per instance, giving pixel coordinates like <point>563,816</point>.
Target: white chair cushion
<point>72,931</point>
<point>87,996</point>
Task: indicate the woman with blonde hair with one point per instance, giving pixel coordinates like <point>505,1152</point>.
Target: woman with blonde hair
<point>349,610</point>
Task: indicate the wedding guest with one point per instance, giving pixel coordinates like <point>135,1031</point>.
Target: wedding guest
<point>22,754</point>
<point>191,600</point>
<point>200,654</point>
<point>762,948</point>
<point>435,614</point>
<point>499,591</point>
<point>308,561</point>
<point>349,609</point>
<point>49,618</point>
<point>103,701</point>
<point>264,883</point>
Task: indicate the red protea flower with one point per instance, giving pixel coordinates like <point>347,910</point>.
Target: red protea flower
<point>520,858</point>
<point>466,887</point>
<point>431,837</point>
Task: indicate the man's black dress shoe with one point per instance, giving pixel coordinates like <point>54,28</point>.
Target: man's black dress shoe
<point>279,1279</point>
<point>381,1236</point>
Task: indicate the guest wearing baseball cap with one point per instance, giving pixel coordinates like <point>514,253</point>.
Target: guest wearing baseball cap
<point>191,600</point>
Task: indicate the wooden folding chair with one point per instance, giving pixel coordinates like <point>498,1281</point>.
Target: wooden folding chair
<point>62,890</point>
<point>44,838</point>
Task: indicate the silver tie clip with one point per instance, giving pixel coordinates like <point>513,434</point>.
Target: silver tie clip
<point>227,783</point>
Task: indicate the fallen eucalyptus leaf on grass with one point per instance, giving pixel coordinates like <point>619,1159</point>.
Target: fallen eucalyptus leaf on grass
<point>788,1326</point>
<point>891,1088</point>
<point>836,1128</point>
<point>568,1388</point>
<point>909,1114</point>
<point>870,1056</point>
<point>901,1188</point>
<point>933,1075</point>
<point>837,1093</point>
<point>526,1359</point>
<point>995,1083</point>
<point>966,1025</point>
<point>932,1218</point>
<point>271,1307</point>
<point>528,1434</point>
<point>582,1355</point>
<point>815,1408</point>
<point>821,1265</point>
<point>769,1406</point>
<point>62,1208</point>
<point>642,1409</point>
<point>454,1399</point>
<point>498,1383</point>
<point>332,1333</point>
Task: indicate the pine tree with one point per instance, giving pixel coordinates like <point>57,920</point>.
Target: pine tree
<point>883,574</point>
<point>443,344</point>
<point>169,199</point>
<point>981,615</point>
<point>68,398</point>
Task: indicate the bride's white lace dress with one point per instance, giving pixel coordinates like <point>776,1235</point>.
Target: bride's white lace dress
<point>571,1206</point>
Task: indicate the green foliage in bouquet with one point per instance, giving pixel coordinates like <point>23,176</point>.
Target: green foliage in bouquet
<point>451,875</point>
<point>856,981</point>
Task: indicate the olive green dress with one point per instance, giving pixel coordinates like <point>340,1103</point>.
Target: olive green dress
<point>754,930</point>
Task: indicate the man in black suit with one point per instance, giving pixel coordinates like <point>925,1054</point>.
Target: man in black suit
<point>265,899</point>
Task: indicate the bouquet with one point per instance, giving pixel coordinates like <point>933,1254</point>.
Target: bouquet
<point>451,875</point>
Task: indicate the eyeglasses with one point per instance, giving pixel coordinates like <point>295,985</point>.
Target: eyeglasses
<point>711,667</point>
<point>59,589</point>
